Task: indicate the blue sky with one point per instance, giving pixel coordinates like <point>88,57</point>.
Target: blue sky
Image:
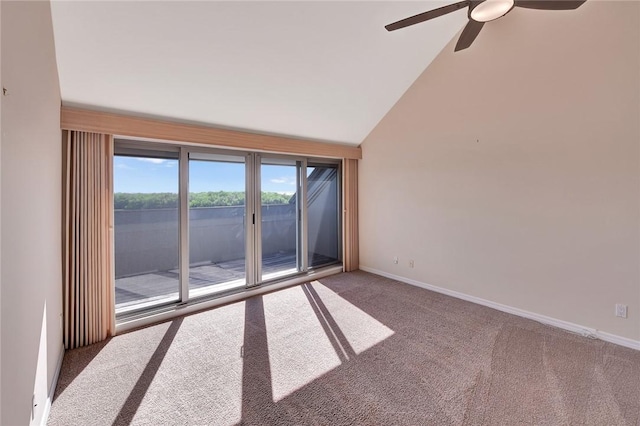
<point>133,174</point>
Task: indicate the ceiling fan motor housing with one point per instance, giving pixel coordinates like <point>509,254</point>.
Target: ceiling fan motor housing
<point>489,10</point>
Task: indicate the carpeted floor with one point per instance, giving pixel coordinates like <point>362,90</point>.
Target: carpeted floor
<point>353,348</point>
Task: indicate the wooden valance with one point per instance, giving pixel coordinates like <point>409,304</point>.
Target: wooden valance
<point>131,126</point>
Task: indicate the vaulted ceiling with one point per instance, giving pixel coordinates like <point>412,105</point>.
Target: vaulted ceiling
<point>321,70</point>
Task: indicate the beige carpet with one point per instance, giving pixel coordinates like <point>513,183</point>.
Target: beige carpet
<point>354,348</point>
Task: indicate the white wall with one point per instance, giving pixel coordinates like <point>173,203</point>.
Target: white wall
<point>511,171</point>
<point>0,210</point>
<point>31,211</point>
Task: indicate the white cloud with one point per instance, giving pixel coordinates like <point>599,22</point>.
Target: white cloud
<point>152,160</point>
<point>285,180</point>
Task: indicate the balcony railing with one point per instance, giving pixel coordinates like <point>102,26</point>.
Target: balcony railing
<point>147,249</point>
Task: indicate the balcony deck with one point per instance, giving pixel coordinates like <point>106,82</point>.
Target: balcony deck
<point>153,287</point>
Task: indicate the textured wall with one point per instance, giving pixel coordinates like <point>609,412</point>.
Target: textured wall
<point>511,171</point>
<point>31,211</point>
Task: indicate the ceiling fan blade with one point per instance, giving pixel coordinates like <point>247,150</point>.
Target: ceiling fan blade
<point>425,16</point>
<point>550,4</point>
<point>469,34</point>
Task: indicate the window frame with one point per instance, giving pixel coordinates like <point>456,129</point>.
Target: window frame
<point>253,237</point>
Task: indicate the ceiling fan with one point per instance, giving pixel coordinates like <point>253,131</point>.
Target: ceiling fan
<point>481,11</point>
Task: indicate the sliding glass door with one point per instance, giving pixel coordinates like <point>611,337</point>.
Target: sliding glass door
<point>193,222</point>
<point>217,234</point>
<point>279,217</point>
<point>146,231</point>
<point>323,214</point>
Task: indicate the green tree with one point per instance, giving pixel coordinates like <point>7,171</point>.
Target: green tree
<point>168,200</point>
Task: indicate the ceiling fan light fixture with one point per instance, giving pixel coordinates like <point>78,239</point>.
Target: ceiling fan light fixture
<point>489,10</point>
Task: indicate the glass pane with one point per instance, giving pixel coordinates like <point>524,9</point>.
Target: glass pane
<point>322,215</point>
<point>279,225</point>
<point>216,226</point>
<point>146,231</point>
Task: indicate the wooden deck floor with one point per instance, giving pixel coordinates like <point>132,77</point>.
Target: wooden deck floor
<point>145,288</point>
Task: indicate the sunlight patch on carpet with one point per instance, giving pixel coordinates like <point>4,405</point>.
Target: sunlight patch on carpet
<point>310,331</point>
<point>299,349</point>
<point>207,384</point>
<point>361,330</point>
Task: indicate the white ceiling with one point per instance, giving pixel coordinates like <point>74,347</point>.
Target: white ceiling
<point>321,70</point>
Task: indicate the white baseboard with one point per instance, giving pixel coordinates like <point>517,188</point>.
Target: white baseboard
<point>52,388</point>
<point>565,325</point>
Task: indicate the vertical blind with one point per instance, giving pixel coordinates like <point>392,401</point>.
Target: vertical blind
<point>89,314</point>
<point>89,293</point>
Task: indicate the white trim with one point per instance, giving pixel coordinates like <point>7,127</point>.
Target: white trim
<point>302,208</point>
<point>52,388</point>
<point>197,307</point>
<point>249,221</point>
<point>183,223</point>
<point>618,340</point>
<point>257,219</point>
<point>565,325</point>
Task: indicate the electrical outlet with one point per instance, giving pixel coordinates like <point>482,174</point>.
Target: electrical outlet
<point>395,260</point>
<point>621,310</point>
<point>411,263</point>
